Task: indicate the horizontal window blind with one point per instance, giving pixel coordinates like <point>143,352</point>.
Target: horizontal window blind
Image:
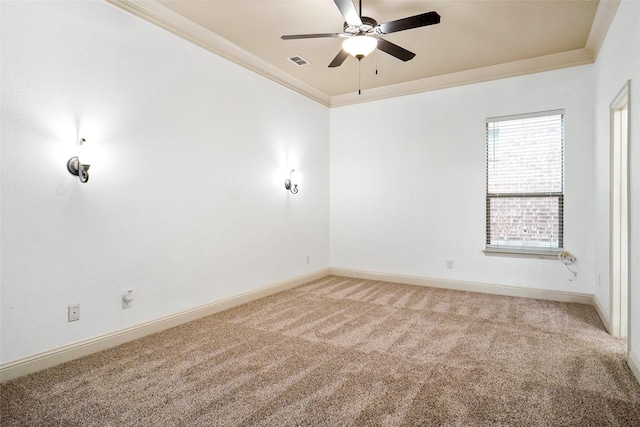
<point>525,181</point>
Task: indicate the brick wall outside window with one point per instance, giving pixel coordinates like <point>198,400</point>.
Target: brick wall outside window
<point>525,182</point>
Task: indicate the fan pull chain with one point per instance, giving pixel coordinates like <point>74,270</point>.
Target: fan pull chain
<point>359,77</point>
<point>376,53</point>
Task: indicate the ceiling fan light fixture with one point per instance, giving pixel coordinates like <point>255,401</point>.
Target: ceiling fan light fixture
<point>362,34</point>
<point>359,46</point>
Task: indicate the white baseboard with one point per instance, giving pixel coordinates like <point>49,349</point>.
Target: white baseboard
<point>605,319</point>
<point>468,286</point>
<point>38,362</point>
<point>634,364</point>
<point>573,297</point>
<point>27,365</point>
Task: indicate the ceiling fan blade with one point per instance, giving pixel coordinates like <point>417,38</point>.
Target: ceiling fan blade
<point>395,50</point>
<point>311,36</point>
<point>339,59</point>
<point>349,11</point>
<point>416,21</point>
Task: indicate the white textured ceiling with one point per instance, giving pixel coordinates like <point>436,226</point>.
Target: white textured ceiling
<point>476,40</point>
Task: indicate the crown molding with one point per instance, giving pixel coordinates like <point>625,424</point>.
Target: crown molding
<point>494,72</point>
<point>163,17</point>
<point>157,14</point>
<point>605,13</point>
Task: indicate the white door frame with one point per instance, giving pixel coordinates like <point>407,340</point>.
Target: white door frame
<point>619,211</point>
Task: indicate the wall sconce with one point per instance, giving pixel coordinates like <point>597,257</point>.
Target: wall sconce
<point>291,184</point>
<point>75,165</point>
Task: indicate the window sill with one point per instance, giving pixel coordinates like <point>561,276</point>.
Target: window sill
<point>523,253</point>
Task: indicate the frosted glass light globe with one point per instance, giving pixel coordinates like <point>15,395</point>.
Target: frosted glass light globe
<point>359,46</point>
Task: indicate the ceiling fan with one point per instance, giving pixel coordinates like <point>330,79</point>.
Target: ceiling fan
<point>362,34</point>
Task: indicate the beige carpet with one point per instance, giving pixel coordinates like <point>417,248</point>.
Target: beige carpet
<point>348,352</point>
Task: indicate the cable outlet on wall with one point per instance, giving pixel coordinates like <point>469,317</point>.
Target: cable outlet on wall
<point>74,312</point>
<point>450,264</point>
<point>127,299</point>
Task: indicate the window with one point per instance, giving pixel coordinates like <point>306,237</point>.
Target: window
<point>525,183</point>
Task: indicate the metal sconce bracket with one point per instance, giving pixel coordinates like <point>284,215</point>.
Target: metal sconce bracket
<point>78,169</point>
<point>288,184</point>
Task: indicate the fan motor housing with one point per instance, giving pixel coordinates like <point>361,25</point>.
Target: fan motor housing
<point>367,27</point>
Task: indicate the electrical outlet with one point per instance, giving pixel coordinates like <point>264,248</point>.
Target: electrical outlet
<point>74,312</point>
<point>307,259</point>
<point>450,264</point>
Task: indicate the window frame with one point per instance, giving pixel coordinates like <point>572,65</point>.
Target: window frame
<point>523,250</point>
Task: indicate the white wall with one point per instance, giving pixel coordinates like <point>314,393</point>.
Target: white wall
<point>408,182</point>
<point>186,201</point>
<point>618,62</point>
